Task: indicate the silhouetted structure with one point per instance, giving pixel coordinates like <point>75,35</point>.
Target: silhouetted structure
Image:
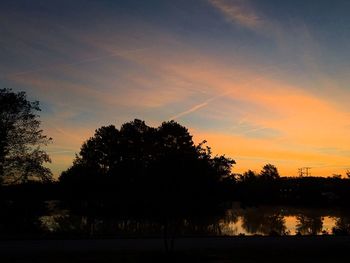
<point>304,171</point>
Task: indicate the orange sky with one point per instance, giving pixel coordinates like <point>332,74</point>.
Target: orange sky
<point>262,82</point>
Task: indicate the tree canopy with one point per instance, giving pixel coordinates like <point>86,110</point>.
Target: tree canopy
<point>21,157</point>
<point>155,165</point>
<point>269,172</point>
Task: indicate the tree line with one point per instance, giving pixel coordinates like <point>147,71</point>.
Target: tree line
<point>143,163</point>
<point>137,171</point>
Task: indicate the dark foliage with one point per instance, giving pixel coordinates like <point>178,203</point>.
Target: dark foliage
<point>269,172</point>
<point>305,191</point>
<point>141,178</point>
<point>21,156</point>
<point>154,171</point>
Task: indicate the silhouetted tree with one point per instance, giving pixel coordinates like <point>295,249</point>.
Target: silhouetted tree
<point>262,221</point>
<point>248,176</point>
<point>158,172</point>
<point>141,156</point>
<point>309,224</point>
<point>342,226</point>
<point>348,174</point>
<point>21,156</point>
<point>269,172</point>
<point>336,176</point>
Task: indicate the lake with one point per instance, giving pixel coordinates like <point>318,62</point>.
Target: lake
<point>235,220</point>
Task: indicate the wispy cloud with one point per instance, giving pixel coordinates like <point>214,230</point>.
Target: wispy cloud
<point>237,12</point>
<point>243,101</point>
<point>57,66</point>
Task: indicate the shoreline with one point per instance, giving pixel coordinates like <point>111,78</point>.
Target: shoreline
<point>183,243</point>
<point>206,249</point>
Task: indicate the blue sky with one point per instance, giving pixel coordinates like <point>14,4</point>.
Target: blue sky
<point>262,81</point>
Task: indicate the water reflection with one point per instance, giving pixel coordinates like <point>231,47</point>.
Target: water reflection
<point>235,221</point>
<point>309,224</point>
<point>342,226</point>
<point>282,221</point>
<point>262,221</point>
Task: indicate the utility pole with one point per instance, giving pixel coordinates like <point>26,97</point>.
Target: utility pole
<point>304,171</point>
<point>300,172</point>
<point>308,173</point>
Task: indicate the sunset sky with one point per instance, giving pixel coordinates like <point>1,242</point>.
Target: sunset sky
<point>264,81</point>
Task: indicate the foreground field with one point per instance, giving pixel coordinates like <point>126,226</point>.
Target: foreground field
<point>235,249</point>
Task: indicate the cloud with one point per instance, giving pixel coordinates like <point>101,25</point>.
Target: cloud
<point>58,66</point>
<point>253,153</point>
<point>244,108</point>
<point>236,12</point>
<point>67,140</point>
<point>267,119</point>
<point>192,86</point>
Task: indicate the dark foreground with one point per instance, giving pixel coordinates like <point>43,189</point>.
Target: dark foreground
<point>234,249</point>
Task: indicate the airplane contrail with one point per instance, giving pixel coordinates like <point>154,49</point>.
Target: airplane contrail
<point>207,102</point>
<point>194,108</point>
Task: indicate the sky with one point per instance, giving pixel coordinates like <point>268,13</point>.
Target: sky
<point>261,81</point>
